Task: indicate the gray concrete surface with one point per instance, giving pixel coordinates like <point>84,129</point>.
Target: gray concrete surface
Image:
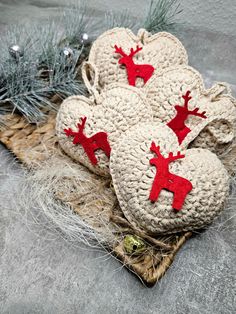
<point>211,15</point>
<point>41,273</point>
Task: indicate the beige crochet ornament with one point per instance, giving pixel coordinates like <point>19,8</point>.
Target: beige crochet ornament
<point>87,128</point>
<point>158,63</point>
<point>209,113</point>
<point>163,191</point>
<point>119,55</point>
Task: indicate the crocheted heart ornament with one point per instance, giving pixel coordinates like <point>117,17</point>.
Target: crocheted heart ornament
<point>121,56</point>
<point>88,128</point>
<point>161,190</point>
<point>212,110</point>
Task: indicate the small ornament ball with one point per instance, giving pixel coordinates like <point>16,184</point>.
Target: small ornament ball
<point>68,52</point>
<point>133,244</point>
<point>16,51</point>
<point>84,38</point>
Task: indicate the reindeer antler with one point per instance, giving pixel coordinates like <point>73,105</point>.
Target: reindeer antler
<point>171,157</point>
<point>120,51</point>
<point>133,52</point>
<point>195,112</point>
<point>186,98</point>
<point>82,124</point>
<point>155,149</point>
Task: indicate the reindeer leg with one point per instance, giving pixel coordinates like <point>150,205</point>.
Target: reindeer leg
<point>181,134</point>
<point>148,73</point>
<point>155,191</point>
<point>132,79</point>
<point>181,190</point>
<point>90,152</point>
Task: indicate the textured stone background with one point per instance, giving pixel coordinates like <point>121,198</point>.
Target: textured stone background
<point>41,273</point>
<point>212,15</point>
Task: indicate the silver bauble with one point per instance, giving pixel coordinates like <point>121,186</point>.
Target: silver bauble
<point>84,38</point>
<point>16,51</point>
<point>68,52</point>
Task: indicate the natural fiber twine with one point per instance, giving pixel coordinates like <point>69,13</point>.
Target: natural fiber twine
<point>33,145</point>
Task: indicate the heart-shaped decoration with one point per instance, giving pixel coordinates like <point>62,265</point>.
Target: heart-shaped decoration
<point>113,112</point>
<point>196,185</point>
<point>165,93</point>
<point>155,52</point>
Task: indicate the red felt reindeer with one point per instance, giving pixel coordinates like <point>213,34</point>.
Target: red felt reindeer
<point>144,71</point>
<point>90,144</point>
<point>168,181</point>
<point>177,124</point>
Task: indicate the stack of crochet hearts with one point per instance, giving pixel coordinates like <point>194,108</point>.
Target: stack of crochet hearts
<point>152,127</point>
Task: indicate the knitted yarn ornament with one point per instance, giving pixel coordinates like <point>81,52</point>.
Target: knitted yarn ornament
<point>199,181</point>
<point>108,115</point>
<point>143,55</point>
<point>207,118</point>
